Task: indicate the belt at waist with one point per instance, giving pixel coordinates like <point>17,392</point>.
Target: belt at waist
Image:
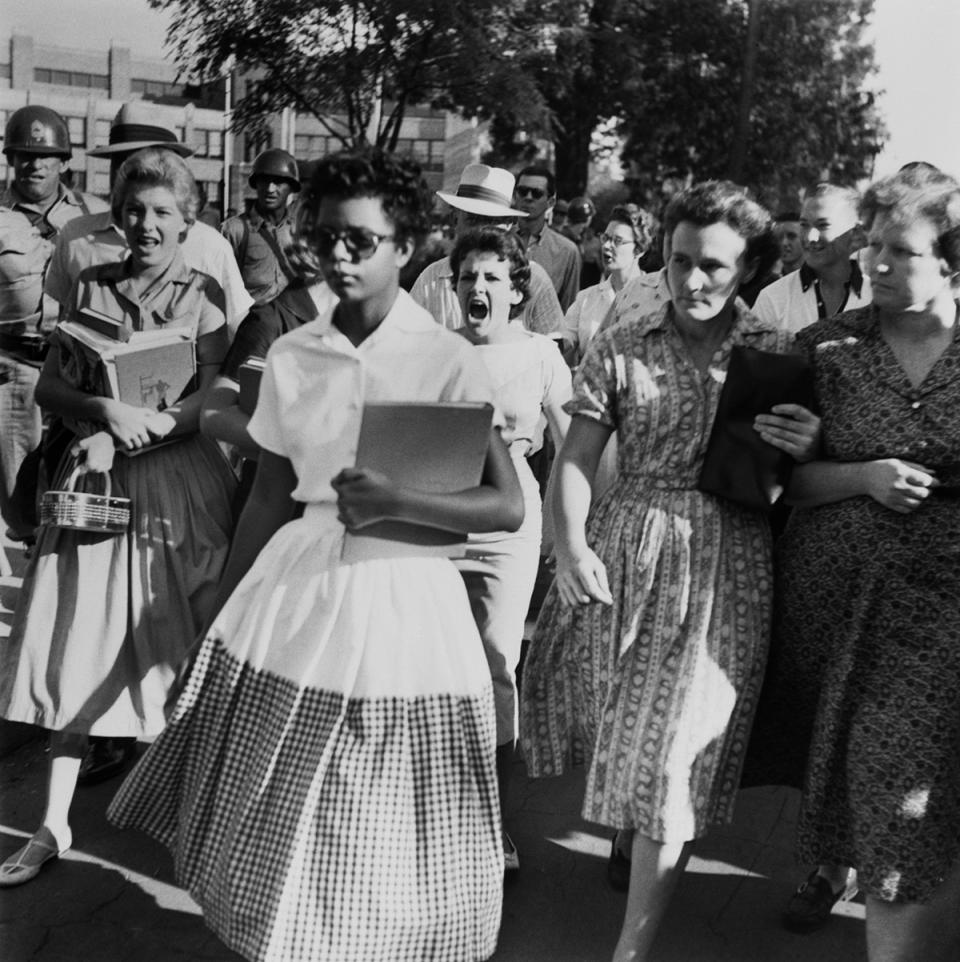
<point>657,482</point>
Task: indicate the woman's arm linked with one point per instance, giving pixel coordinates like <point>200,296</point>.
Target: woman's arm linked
<point>901,486</point>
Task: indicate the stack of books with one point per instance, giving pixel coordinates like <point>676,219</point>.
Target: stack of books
<point>143,368</point>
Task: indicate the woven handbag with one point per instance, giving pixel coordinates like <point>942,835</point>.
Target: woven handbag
<point>83,511</point>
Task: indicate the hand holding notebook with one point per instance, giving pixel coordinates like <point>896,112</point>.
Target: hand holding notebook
<point>431,447</point>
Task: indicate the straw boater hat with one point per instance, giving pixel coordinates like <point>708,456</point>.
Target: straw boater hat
<point>134,128</point>
<point>483,190</point>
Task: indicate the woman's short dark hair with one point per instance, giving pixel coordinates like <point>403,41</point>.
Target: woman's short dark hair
<point>638,220</point>
<point>396,181</point>
<point>919,193</point>
<point>156,167</point>
<point>723,202</point>
<point>506,246</point>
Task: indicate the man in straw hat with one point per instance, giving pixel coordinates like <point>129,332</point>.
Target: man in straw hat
<point>97,240</point>
<point>483,199</point>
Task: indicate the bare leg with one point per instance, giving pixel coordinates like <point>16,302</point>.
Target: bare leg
<point>655,869</point>
<point>66,752</point>
<point>914,931</point>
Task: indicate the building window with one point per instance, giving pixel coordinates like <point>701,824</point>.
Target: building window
<point>155,89</point>
<point>101,133</point>
<point>78,131</point>
<point>214,143</point>
<point>68,78</point>
<point>78,180</point>
<point>101,183</point>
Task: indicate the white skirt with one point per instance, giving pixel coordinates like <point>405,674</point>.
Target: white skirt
<point>327,782</point>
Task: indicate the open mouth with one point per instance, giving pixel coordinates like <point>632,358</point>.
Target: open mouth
<point>478,309</point>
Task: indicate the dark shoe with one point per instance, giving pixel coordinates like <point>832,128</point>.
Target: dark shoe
<point>106,758</point>
<point>618,868</point>
<point>810,906</point>
<point>511,859</point>
<point>25,863</point>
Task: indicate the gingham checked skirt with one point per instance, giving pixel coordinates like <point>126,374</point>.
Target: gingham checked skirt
<point>326,782</point>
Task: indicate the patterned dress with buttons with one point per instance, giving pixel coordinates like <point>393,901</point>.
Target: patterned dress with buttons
<point>656,692</point>
<point>868,609</point>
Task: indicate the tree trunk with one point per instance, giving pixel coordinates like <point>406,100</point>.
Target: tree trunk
<point>741,137</point>
<point>572,158</point>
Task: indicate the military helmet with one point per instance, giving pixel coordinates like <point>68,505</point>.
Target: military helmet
<point>37,130</point>
<point>275,163</point>
<point>580,210</point>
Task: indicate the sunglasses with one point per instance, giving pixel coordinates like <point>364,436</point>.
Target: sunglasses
<point>361,244</point>
<point>534,193</point>
<point>616,241</point>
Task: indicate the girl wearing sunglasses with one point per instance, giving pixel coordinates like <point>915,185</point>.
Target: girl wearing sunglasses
<point>327,781</point>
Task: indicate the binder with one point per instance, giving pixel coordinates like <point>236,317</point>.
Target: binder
<point>249,375</point>
<point>439,447</point>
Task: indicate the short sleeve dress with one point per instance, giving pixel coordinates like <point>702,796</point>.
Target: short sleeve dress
<point>657,691</point>
<point>870,597</point>
<point>326,782</point>
<point>500,569</point>
<point>104,621</point>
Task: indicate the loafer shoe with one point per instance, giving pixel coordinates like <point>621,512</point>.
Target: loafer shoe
<point>511,859</point>
<point>26,862</point>
<point>810,906</point>
<point>106,758</point>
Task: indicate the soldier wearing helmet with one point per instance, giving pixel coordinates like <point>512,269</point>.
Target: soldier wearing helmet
<point>33,210</point>
<point>261,238</point>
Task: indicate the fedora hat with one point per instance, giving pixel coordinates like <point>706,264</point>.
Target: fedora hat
<point>134,128</point>
<point>483,190</point>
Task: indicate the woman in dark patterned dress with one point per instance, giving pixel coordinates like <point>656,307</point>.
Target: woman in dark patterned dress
<point>870,573</point>
<point>650,647</point>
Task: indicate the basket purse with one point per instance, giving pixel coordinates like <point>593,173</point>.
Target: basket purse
<point>84,511</point>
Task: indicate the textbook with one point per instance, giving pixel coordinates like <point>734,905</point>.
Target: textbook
<point>438,447</point>
<point>248,377</point>
<point>102,324</point>
<point>152,369</point>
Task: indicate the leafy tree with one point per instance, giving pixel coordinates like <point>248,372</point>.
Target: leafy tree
<point>365,61</point>
<point>772,93</point>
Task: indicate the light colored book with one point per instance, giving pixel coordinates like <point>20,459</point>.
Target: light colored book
<point>152,369</point>
<point>438,447</point>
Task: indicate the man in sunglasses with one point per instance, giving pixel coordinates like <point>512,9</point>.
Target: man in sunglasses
<point>535,194</point>
<point>482,199</point>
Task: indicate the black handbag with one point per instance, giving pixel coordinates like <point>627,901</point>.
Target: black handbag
<point>739,465</point>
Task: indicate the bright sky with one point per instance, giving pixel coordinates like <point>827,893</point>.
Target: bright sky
<point>916,48</point>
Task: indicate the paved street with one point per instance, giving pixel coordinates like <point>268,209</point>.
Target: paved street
<point>113,899</point>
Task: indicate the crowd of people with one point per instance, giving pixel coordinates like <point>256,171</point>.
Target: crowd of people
<point>331,739</point>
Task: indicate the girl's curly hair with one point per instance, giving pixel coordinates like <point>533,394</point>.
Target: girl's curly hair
<point>396,181</point>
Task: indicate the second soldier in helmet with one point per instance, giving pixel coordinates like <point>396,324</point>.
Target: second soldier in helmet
<point>261,237</point>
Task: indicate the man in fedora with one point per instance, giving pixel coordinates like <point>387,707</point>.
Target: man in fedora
<point>97,240</point>
<point>261,238</point>
<point>483,199</point>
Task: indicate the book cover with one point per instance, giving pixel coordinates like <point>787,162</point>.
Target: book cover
<point>152,369</point>
<point>102,324</point>
<point>439,447</point>
<point>249,375</point>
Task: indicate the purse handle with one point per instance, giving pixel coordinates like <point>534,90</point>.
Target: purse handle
<point>76,473</point>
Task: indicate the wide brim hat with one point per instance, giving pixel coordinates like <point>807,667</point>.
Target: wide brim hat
<point>133,129</point>
<point>485,191</point>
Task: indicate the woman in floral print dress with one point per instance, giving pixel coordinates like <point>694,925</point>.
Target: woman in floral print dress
<point>650,648</point>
